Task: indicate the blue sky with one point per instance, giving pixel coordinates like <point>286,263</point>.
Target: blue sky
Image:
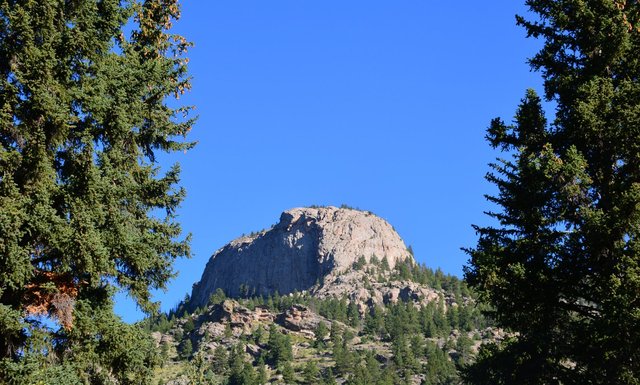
<point>376,104</point>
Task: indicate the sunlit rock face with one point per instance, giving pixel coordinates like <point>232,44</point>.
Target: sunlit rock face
<point>307,246</point>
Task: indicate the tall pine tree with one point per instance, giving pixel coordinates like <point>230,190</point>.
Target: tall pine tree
<point>562,267</point>
<point>84,208</point>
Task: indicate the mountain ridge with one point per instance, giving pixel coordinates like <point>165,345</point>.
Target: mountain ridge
<point>369,313</point>
<point>308,247</point>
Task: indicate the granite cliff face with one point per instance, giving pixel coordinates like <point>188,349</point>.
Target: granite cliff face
<point>307,247</point>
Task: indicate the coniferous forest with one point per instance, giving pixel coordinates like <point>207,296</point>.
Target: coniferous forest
<point>89,108</point>
<point>401,342</point>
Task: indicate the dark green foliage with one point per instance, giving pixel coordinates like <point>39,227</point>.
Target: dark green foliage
<point>199,371</point>
<point>360,263</point>
<point>157,323</point>
<point>186,349</point>
<point>433,320</point>
<point>310,373</point>
<point>366,370</point>
<point>188,326</point>
<point>401,319</point>
<point>258,335</point>
<point>384,264</point>
<point>320,333</point>
<point>501,364</point>
<point>404,353</point>
<point>83,116</point>
<point>262,377</point>
<point>240,371</point>
<point>178,334</point>
<point>334,309</point>
<point>288,374</point>
<point>125,348</point>
<point>353,314</point>
<point>220,362</point>
<point>562,265</point>
<point>164,352</point>
<point>329,378</point>
<point>279,348</point>
<point>463,350</point>
<point>217,297</point>
<point>409,270</point>
<point>406,329</point>
<point>342,355</point>
<point>439,370</point>
<point>374,322</point>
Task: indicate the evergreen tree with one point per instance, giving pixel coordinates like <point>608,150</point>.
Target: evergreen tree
<point>439,368</point>
<point>329,378</point>
<point>258,334</point>
<point>320,333</point>
<point>240,371</point>
<point>189,326</point>
<point>562,266</point>
<point>388,377</point>
<point>217,297</point>
<point>374,321</point>
<point>372,366</point>
<point>83,99</point>
<point>164,352</point>
<point>353,314</point>
<point>197,370</point>
<point>385,264</point>
<point>403,354</point>
<point>279,348</point>
<point>463,349</point>
<point>288,374</point>
<point>220,362</point>
<point>262,377</point>
<point>186,349</point>
<point>310,373</point>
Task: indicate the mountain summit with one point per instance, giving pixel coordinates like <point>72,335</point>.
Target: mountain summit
<point>308,246</point>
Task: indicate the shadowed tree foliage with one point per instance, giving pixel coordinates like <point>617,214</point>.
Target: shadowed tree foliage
<point>279,348</point>
<point>84,208</point>
<point>562,268</point>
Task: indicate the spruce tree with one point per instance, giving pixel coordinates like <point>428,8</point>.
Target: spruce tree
<point>320,333</point>
<point>310,373</point>
<point>279,348</point>
<point>84,208</point>
<point>262,376</point>
<point>186,349</point>
<point>288,374</point>
<point>562,265</point>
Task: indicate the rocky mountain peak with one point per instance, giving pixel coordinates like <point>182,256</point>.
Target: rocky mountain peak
<point>307,246</point>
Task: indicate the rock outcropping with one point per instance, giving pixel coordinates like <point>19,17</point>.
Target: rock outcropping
<point>307,246</point>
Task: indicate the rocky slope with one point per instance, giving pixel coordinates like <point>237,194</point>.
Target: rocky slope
<point>306,248</point>
<point>326,296</point>
<point>407,338</point>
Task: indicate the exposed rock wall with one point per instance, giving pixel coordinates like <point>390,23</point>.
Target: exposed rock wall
<point>302,249</point>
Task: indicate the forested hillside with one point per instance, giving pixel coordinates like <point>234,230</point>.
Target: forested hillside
<point>299,338</point>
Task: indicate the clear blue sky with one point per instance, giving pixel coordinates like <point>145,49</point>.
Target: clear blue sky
<point>377,104</point>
